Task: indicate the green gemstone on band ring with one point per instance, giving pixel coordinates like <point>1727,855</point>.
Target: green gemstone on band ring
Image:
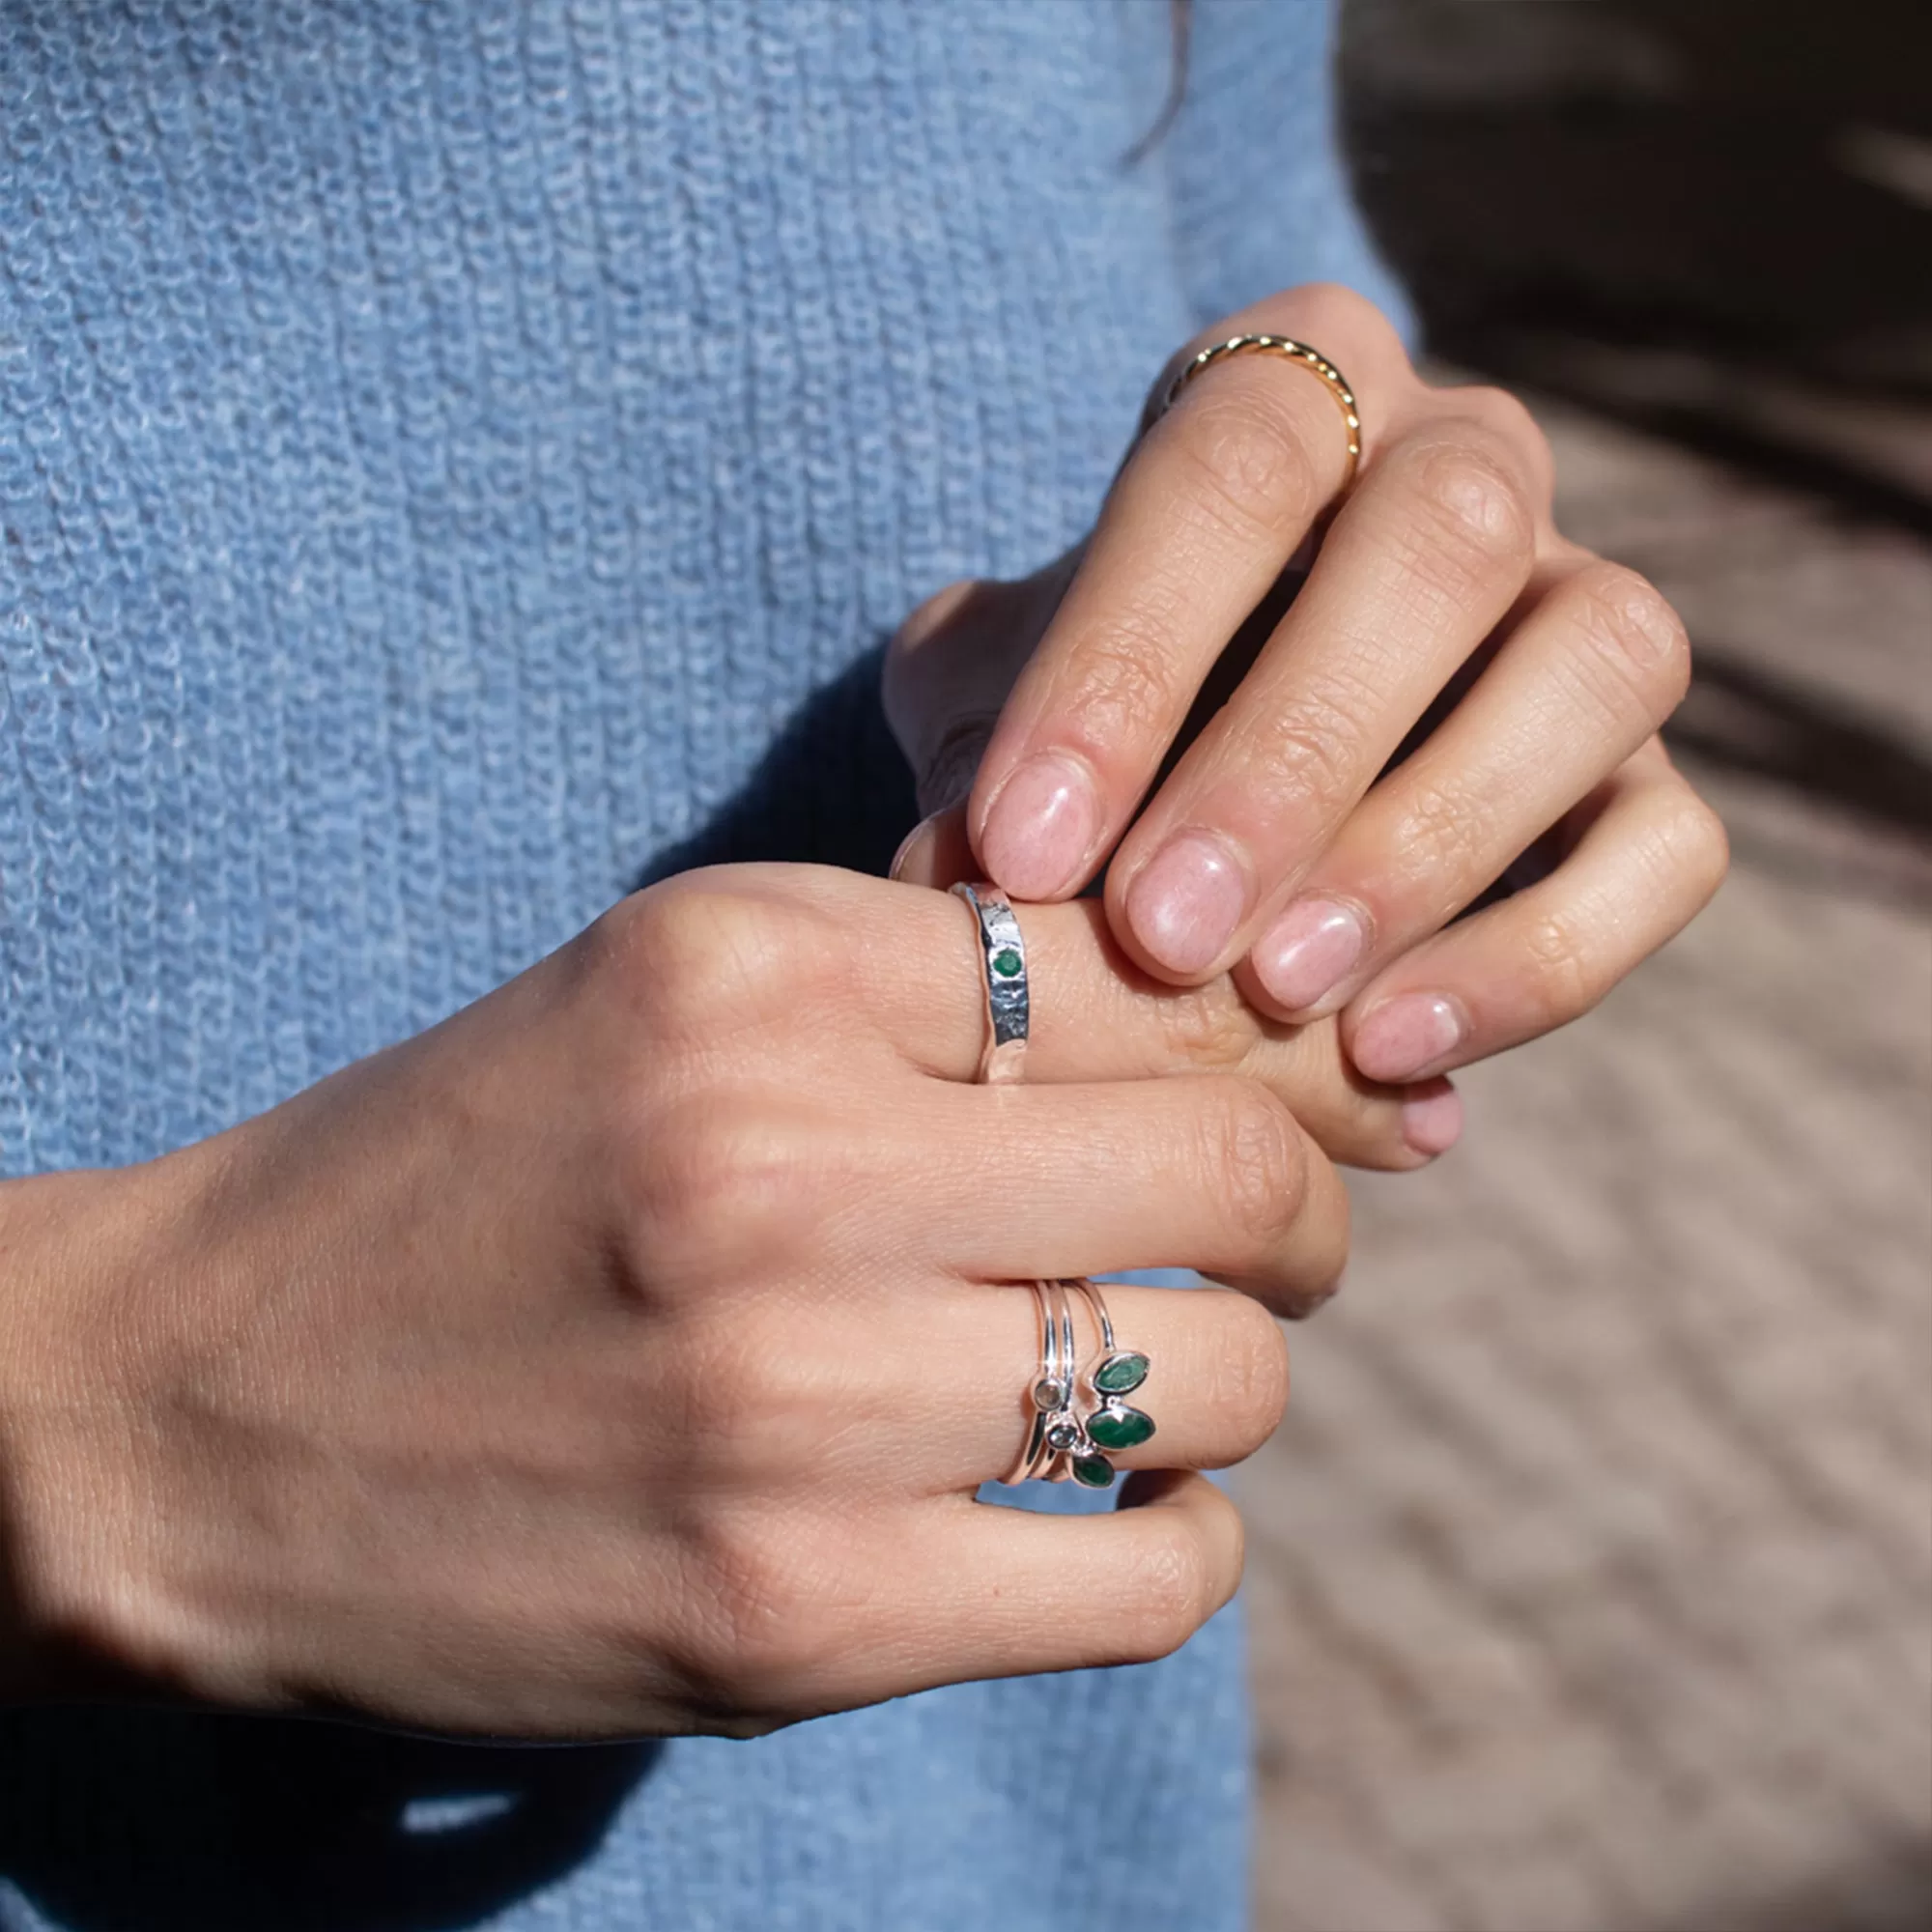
<point>1006,963</point>
<point>1118,1427</point>
<point>1120,1374</point>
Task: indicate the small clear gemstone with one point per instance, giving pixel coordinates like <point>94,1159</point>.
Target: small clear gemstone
<point>1050,1395</point>
<point>1063,1435</point>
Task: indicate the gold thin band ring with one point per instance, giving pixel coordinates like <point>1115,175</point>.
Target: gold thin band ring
<point>1311,360</point>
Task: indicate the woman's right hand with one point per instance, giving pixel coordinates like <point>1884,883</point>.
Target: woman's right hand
<point>622,1355</point>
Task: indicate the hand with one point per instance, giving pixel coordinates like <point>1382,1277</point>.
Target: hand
<point>622,1355</point>
<point>1282,843</point>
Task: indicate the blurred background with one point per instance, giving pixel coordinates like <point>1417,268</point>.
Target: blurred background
<point>1592,1570</point>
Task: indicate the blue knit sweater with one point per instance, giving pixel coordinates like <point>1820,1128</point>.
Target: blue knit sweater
<point>458,459</point>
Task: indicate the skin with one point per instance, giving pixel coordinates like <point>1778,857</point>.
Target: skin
<point>621,1356</point>
<point>1281,843</point>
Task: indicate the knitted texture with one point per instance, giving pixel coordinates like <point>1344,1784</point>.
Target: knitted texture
<point>458,459</point>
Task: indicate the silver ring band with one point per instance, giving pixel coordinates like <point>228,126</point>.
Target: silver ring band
<point>1060,1442</point>
<point>1047,1393</point>
<point>1003,964</point>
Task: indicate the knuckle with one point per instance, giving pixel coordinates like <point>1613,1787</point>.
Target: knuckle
<point>686,953</point>
<point>1173,1593</point>
<point>1696,846</point>
<point>939,610</point>
<point>1563,967</point>
<point>1508,419</point>
<point>1445,835</point>
<point>1250,1392</point>
<point>1631,629</point>
<point>1309,749</point>
<point>1129,676</point>
<point>1337,316</point>
<point>1242,443</point>
<point>1307,754</point>
<point>1207,1028</point>
<point>1475,524</point>
<point>1256,1158</point>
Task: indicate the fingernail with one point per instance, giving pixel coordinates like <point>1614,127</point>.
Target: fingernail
<point>1308,951</point>
<point>1041,828</point>
<point>1404,1037</point>
<point>1432,1117</point>
<point>909,845</point>
<point>1186,903</point>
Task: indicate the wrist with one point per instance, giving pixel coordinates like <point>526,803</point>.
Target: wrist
<point>74,1248</point>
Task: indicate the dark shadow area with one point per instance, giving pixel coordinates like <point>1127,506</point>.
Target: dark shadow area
<point>1708,222</point>
<point>1891,1890</point>
<point>229,1824</point>
<point>1713,414</point>
<point>1739,177</point>
<point>833,790</point>
<point>1745,720</point>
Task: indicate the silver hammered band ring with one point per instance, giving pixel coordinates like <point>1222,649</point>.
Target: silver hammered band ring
<point>1003,962</point>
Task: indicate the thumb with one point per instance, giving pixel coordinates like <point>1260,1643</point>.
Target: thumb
<point>947,676</point>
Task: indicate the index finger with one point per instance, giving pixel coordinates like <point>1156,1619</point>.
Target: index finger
<point>1198,527</point>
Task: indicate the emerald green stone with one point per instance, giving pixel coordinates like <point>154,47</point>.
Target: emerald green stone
<point>1118,1374</point>
<point>1006,963</point>
<point>1095,1472</point>
<point>1118,1427</point>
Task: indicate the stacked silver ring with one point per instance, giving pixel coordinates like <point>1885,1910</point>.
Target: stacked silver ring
<point>1063,1441</point>
<point>1070,1430</point>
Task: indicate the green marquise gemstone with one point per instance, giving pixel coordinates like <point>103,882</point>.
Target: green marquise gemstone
<point>1006,963</point>
<point>1118,1374</point>
<point>1118,1427</point>
<point>1095,1472</point>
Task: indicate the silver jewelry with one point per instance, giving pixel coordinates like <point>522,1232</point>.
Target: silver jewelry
<point>1051,1390</point>
<point>1061,1443</point>
<point>1115,1424</point>
<point>1004,963</point>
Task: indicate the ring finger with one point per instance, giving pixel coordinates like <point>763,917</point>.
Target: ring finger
<point>1217,1381</point>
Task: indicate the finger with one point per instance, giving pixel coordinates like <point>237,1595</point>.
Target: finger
<point>1095,1016</point>
<point>1203,1171</point>
<point>1200,523</point>
<point>1649,858</point>
<point>949,666</point>
<point>1007,1592</point>
<point>1582,682</point>
<point>1423,561</point>
<point>1215,1387</point>
<point>936,852</point>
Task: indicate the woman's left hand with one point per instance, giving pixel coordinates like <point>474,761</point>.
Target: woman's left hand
<point>1283,843</point>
